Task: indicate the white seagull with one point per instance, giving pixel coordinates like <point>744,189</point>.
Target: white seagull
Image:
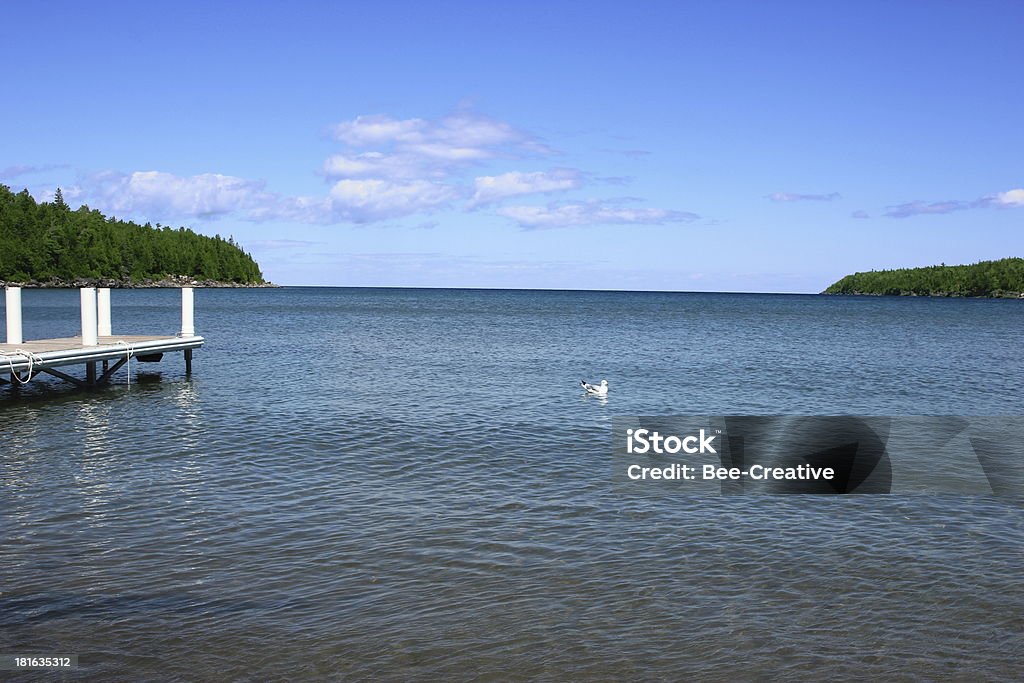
<point>596,389</point>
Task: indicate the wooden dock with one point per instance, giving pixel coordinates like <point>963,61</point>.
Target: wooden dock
<point>102,354</point>
<point>28,359</point>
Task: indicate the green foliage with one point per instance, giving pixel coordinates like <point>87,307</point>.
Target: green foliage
<point>986,278</point>
<point>45,241</point>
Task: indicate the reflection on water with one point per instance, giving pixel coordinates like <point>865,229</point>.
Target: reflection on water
<point>92,419</point>
<point>185,396</point>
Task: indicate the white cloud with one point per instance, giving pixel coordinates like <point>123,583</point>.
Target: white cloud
<point>593,212</point>
<point>12,172</point>
<point>164,196</point>
<point>467,128</point>
<point>493,188</point>
<point>378,129</point>
<point>310,210</point>
<point>1004,200</point>
<point>455,154</point>
<point>394,167</point>
<point>1009,198</point>
<point>362,201</point>
<point>379,165</point>
<point>385,168</point>
<point>456,139</point>
<point>155,194</point>
<point>919,208</point>
<point>398,167</point>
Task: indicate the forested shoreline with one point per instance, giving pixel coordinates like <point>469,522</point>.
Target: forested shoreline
<point>48,244</point>
<point>994,279</point>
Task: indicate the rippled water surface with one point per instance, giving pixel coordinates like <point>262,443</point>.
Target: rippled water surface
<point>408,484</point>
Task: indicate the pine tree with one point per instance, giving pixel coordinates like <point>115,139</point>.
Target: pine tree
<point>58,201</point>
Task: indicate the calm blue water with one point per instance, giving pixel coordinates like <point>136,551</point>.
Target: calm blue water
<point>408,484</point>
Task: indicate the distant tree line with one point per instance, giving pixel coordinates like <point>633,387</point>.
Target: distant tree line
<point>48,241</point>
<point>1003,278</point>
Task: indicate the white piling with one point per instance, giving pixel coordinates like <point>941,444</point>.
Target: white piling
<point>13,302</point>
<point>188,325</point>
<point>89,328</point>
<point>103,312</point>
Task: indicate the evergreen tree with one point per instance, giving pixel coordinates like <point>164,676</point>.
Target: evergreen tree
<point>40,241</point>
<point>58,201</point>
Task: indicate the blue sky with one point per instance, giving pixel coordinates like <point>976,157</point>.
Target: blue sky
<point>718,146</point>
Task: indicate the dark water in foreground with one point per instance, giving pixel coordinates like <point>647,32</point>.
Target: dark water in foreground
<point>407,484</point>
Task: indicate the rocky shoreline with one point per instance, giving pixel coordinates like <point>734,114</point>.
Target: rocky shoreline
<point>174,281</point>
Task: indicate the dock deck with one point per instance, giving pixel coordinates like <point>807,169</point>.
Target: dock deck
<point>29,358</point>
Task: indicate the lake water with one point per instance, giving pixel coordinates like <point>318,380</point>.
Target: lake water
<point>402,484</point>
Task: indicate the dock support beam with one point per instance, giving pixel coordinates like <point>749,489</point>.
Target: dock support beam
<point>67,378</point>
<point>89,328</point>
<point>188,362</point>
<point>188,325</point>
<point>103,312</point>
<point>13,303</point>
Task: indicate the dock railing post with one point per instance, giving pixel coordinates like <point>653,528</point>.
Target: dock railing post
<point>103,328</point>
<point>13,303</point>
<point>188,324</point>
<point>89,328</point>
